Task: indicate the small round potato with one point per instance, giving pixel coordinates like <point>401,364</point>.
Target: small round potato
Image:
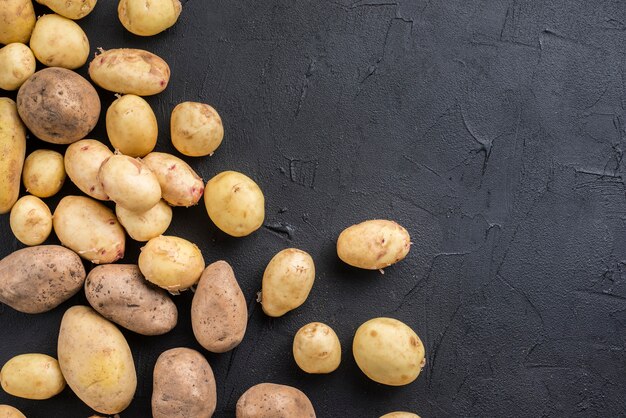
<point>31,220</point>
<point>388,351</point>
<point>130,183</point>
<point>13,146</point>
<point>132,126</point>
<point>196,129</point>
<point>180,185</point>
<point>400,415</point>
<point>172,263</point>
<point>17,20</point>
<point>32,376</point>
<point>82,163</point>
<point>17,63</point>
<point>268,400</point>
<point>59,42</point>
<point>147,19</point>
<point>75,9</point>
<point>235,203</point>
<point>7,411</point>
<point>44,173</point>
<point>287,281</point>
<point>316,348</point>
<point>145,225</point>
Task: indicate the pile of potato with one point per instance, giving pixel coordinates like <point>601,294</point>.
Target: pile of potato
<point>59,106</point>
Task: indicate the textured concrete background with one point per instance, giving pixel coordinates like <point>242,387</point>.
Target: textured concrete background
<point>493,130</point>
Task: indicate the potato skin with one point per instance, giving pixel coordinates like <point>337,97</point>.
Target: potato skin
<point>196,129</point>
<point>400,415</point>
<point>96,360</point>
<point>132,126</point>
<point>143,226</point>
<point>373,244</point>
<point>183,385</point>
<point>219,314</point>
<point>316,348</point>
<point>82,162</point>
<point>17,20</point>
<point>30,220</point>
<point>148,21</point>
<point>44,173</point>
<point>180,184</point>
<point>58,105</point>
<point>32,376</point>
<point>388,351</point>
<point>7,411</point>
<point>89,228</point>
<point>17,63</point>
<point>58,41</point>
<point>13,145</point>
<point>269,400</point>
<point>75,9</point>
<point>38,279</point>
<point>130,71</point>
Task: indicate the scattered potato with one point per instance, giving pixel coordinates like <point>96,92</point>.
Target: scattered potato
<point>89,228</point>
<point>141,20</point>
<point>30,220</point>
<point>268,400</point>
<point>13,146</point>
<point>316,348</point>
<point>388,351</point>
<point>374,244</point>
<point>196,129</point>
<point>235,203</point>
<point>75,9</point>
<point>143,226</point>
<point>44,173</point>
<point>82,163</point>
<point>132,126</point>
<point>59,42</point>
<point>17,63</point>
<point>38,279</point>
<point>400,415</point>
<point>32,376</point>
<point>17,20</point>
<point>96,360</point>
<point>184,385</point>
<point>180,185</point>
<point>7,411</point>
<point>130,71</point>
<point>287,281</point>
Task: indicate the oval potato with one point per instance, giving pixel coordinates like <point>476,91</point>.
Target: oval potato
<point>17,20</point>
<point>58,41</point>
<point>30,220</point>
<point>180,185</point>
<point>132,126</point>
<point>7,411</point>
<point>196,129</point>
<point>400,414</point>
<point>38,279</point>
<point>32,376</point>
<point>219,314</point>
<point>316,348</point>
<point>44,173</point>
<point>269,400</point>
<point>75,9</point>
<point>141,20</point>
<point>374,244</point>
<point>82,162</point>
<point>13,145</point>
<point>17,63</point>
<point>143,226</point>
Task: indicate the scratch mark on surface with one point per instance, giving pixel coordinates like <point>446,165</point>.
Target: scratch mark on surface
<point>439,341</point>
<point>283,229</point>
<point>525,297</point>
<point>305,86</point>
<point>604,295</point>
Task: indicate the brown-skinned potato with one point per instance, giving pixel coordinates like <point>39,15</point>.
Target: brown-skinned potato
<point>269,400</point>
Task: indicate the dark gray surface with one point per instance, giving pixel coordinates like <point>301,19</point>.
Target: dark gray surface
<point>493,130</point>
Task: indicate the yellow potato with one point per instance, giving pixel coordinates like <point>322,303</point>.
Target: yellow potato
<point>32,376</point>
<point>44,173</point>
<point>172,263</point>
<point>143,226</point>
<point>89,228</point>
<point>17,20</point>
<point>147,19</point>
<point>316,348</point>
<point>82,162</point>
<point>180,185</point>
<point>17,63</point>
<point>269,400</point>
<point>130,71</point>
<point>400,415</point>
<point>374,244</point>
<point>13,146</point>
<point>59,42</point>
<point>388,351</point>
<point>235,203</point>
<point>72,9</point>
<point>130,183</point>
<point>7,411</point>
<point>132,126</point>
<point>287,281</point>
<point>31,220</point>
<point>196,129</point>
<point>96,360</point>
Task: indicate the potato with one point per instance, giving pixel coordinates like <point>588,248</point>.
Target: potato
<point>143,226</point>
<point>235,203</point>
<point>89,228</point>
<point>7,411</point>
<point>96,360</point>
<point>44,173</point>
<point>268,400</point>
<point>129,183</point>
<point>30,220</point>
<point>32,376</point>
<point>17,63</point>
<point>120,293</point>
<point>82,162</point>
<point>17,20</point>
<point>373,244</point>
<point>181,186</point>
<point>130,71</point>
<point>38,279</point>
<point>388,351</point>
<point>219,314</point>
<point>287,281</point>
<point>196,129</point>
<point>316,348</point>
<point>73,9</point>
<point>59,42</point>
<point>184,385</point>
<point>400,415</point>
<point>171,263</point>
<point>58,105</point>
<point>13,146</point>
<point>144,19</point>
<point>132,126</point>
